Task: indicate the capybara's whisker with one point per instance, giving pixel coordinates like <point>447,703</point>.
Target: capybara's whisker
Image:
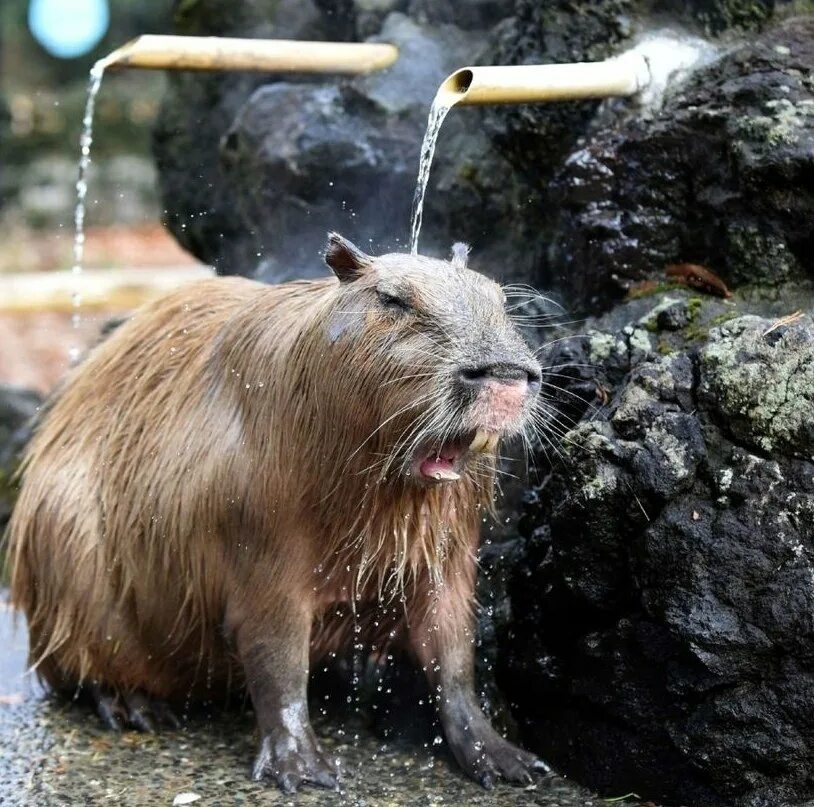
<point>557,388</point>
<point>553,342</point>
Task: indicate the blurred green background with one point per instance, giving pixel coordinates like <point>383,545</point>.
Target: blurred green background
<point>42,99</point>
<point>40,116</point>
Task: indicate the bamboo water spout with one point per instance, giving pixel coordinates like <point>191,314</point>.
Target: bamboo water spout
<point>645,71</point>
<point>524,84</point>
<point>159,52</point>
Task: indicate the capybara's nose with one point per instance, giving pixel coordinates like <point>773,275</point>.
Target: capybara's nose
<point>502,372</point>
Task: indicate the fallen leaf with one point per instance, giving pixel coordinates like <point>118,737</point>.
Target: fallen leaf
<point>185,798</point>
<point>698,277</point>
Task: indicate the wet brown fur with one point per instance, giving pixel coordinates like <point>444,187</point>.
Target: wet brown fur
<point>197,469</point>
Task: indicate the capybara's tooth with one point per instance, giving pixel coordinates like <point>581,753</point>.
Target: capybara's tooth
<point>479,441</point>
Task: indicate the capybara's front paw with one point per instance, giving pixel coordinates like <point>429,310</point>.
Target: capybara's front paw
<point>487,757</point>
<point>292,761</point>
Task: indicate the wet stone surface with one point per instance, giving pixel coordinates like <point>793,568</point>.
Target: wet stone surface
<point>581,199</point>
<point>17,407</point>
<point>53,753</point>
<point>662,599</point>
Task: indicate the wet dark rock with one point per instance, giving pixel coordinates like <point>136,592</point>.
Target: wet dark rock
<point>307,154</point>
<point>359,19</point>
<point>536,137</point>
<point>761,382</point>
<point>718,15</point>
<point>720,177</point>
<point>663,605</point>
<point>469,14</point>
<point>599,196</point>
<point>674,317</point>
<point>201,208</point>
<point>17,408</point>
<point>279,166</point>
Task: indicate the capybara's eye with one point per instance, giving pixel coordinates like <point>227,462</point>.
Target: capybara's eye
<point>392,303</point>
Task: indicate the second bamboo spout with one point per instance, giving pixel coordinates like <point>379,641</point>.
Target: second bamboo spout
<point>654,61</point>
<point>523,84</point>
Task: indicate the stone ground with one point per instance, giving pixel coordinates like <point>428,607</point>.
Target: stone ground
<point>55,754</point>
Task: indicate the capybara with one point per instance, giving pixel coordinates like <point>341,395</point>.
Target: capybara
<point>243,478</point>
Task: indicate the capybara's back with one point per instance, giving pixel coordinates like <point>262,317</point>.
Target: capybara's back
<point>242,478</point>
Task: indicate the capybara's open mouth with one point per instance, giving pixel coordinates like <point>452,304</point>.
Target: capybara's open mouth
<point>441,462</point>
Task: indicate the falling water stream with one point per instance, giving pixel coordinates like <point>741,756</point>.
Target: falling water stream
<point>438,111</point>
<point>85,140</point>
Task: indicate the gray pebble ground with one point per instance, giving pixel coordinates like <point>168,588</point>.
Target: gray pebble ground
<point>55,754</point>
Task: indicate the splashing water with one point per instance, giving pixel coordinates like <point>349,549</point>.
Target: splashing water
<point>438,112</point>
<point>85,140</point>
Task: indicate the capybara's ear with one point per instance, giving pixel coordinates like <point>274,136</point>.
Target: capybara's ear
<point>460,253</point>
<point>346,259</point>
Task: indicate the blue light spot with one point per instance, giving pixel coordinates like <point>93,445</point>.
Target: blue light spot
<point>68,28</point>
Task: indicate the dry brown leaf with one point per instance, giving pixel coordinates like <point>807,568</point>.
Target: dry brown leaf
<point>787,320</point>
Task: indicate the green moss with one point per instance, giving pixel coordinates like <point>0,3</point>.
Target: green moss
<point>759,257</point>
<point>722,318</point>
<point>648,290</point>
<point>763,388</point>
<point>783,124</point>
<point>698,330</point>
<point>795,8</point>
<point>694,306</point>
<point>696,333</point>
<point>664,348</point>
<point>602,345</point>
<point>468,172</point>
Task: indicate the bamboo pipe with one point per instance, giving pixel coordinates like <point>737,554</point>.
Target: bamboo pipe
<point>535,83</point>
<point>158,52</point>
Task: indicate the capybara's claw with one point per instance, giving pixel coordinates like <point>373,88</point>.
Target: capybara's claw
<point>109,710</point>
<point>489,758</point>
<point>292,762</point>
<point>165,715</point>
<point>132,711</point>
<point>539,766</point>
<point>141,721</point>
